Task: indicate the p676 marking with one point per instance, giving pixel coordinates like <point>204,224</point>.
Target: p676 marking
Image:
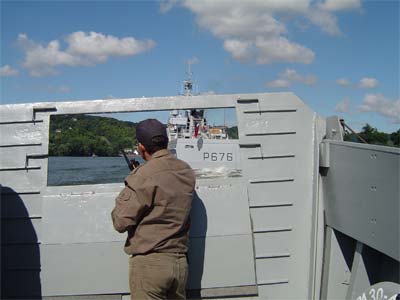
<point>218,156</point>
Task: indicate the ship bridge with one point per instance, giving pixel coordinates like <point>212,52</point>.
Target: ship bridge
<point>310,217</point>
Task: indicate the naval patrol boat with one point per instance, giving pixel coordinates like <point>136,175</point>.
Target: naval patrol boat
<point>208,149</point>
<point>310,217</point>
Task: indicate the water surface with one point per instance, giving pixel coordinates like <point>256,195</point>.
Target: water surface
<point>86,170</point>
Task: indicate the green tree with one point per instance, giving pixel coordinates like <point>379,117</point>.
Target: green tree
<point>395,138</point>
<point>82,135</point>
<point>372,136</point>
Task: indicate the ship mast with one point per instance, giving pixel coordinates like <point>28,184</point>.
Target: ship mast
<point>188,83</point>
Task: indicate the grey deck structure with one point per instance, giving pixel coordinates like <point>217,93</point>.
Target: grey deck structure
<point>311,217</point>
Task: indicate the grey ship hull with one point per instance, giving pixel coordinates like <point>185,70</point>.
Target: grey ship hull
<point>310,217</point>
<point>207,153</point>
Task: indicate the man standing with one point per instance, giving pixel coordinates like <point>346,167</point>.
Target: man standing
<point>153,209</point>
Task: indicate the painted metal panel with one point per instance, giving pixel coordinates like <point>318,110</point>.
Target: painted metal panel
<point>221,262</point>
<point>24,112</point>
<point>220,208</point>
<point>273,123</point>
<point>247,151</point>
<point>276,291</point>
<point>220,212</point>
<point>76,269</point>
<point>359,280</point>
<point>273,193</point>
<point>338,259</point>
<point>209,153</point>
<point>103,267</point>
<point>16,157</point>
<point>334,130</point>
<point>273,270</point>
<point>296,171</point>
<point>365,207</point>
<point>22,284</point>
<point>21,205</point>
<point>272,218</point>
<point>239,250</point>
<point>89,297</point>
<point>272,243</point>
<point>281,102</point>
<point>21,257</point>
<point>24,179</point>
<point>75,190</point>
<point>271,145</point>
<point>17,231</point>
<point>271,169</point>
<point>16,113</point>
<point>23,134</point>
<point>269,102</point>
<point>137,104</point>
<point>81,217</point>
<point>225,292</point>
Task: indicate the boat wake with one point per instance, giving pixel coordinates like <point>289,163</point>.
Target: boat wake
<point>219,172</point>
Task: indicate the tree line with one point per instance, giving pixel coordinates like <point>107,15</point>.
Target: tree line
<point>373,136</point>
<point>85,135</point>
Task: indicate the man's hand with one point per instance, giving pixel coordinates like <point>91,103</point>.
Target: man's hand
<point>133,163</point>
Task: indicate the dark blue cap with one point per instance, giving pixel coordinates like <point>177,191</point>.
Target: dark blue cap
<point>148,129</point>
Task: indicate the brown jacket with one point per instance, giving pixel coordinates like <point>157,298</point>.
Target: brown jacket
<point>155,204</point>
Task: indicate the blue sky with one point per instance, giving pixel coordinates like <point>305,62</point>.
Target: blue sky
<point>339,56</point>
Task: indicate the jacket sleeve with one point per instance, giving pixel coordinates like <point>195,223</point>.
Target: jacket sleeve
<point>132,203</point>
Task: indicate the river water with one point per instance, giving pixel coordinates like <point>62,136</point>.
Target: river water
<point>87,170</point>
<point>67,170</point>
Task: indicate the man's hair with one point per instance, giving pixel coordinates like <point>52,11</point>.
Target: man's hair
<point>152,134</point>
<point>158,142</point>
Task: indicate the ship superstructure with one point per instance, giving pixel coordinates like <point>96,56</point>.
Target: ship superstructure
<point>193,139</point>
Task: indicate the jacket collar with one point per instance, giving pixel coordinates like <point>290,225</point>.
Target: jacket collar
<point>160,153</point>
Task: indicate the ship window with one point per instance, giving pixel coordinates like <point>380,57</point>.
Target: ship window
<point>94,148</point>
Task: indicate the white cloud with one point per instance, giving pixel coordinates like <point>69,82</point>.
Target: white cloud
<point>368,83</point>
<point>41,60</point>
<point>256,30</point>
<point>98,47</point>
<point>83,49</point>
<point>290,76</point>
<point>322,14</point>
<point>278,83</point>
<point>325,20</point>
<point>293,76</point>
<point>343,82</point>
<point>7,70</point>
<point>337,5</point>
<point>343,106</point>
<point>282,50</point>
<point>381,105</point>
<point>240,50</point>
<point>250,31</point>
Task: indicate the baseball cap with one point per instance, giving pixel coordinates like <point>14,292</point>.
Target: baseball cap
<point>148,129</point>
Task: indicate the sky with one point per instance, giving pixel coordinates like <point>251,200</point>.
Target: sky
<point>341,57</point>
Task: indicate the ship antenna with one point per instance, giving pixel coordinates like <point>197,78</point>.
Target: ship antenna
<point>188,83</point>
